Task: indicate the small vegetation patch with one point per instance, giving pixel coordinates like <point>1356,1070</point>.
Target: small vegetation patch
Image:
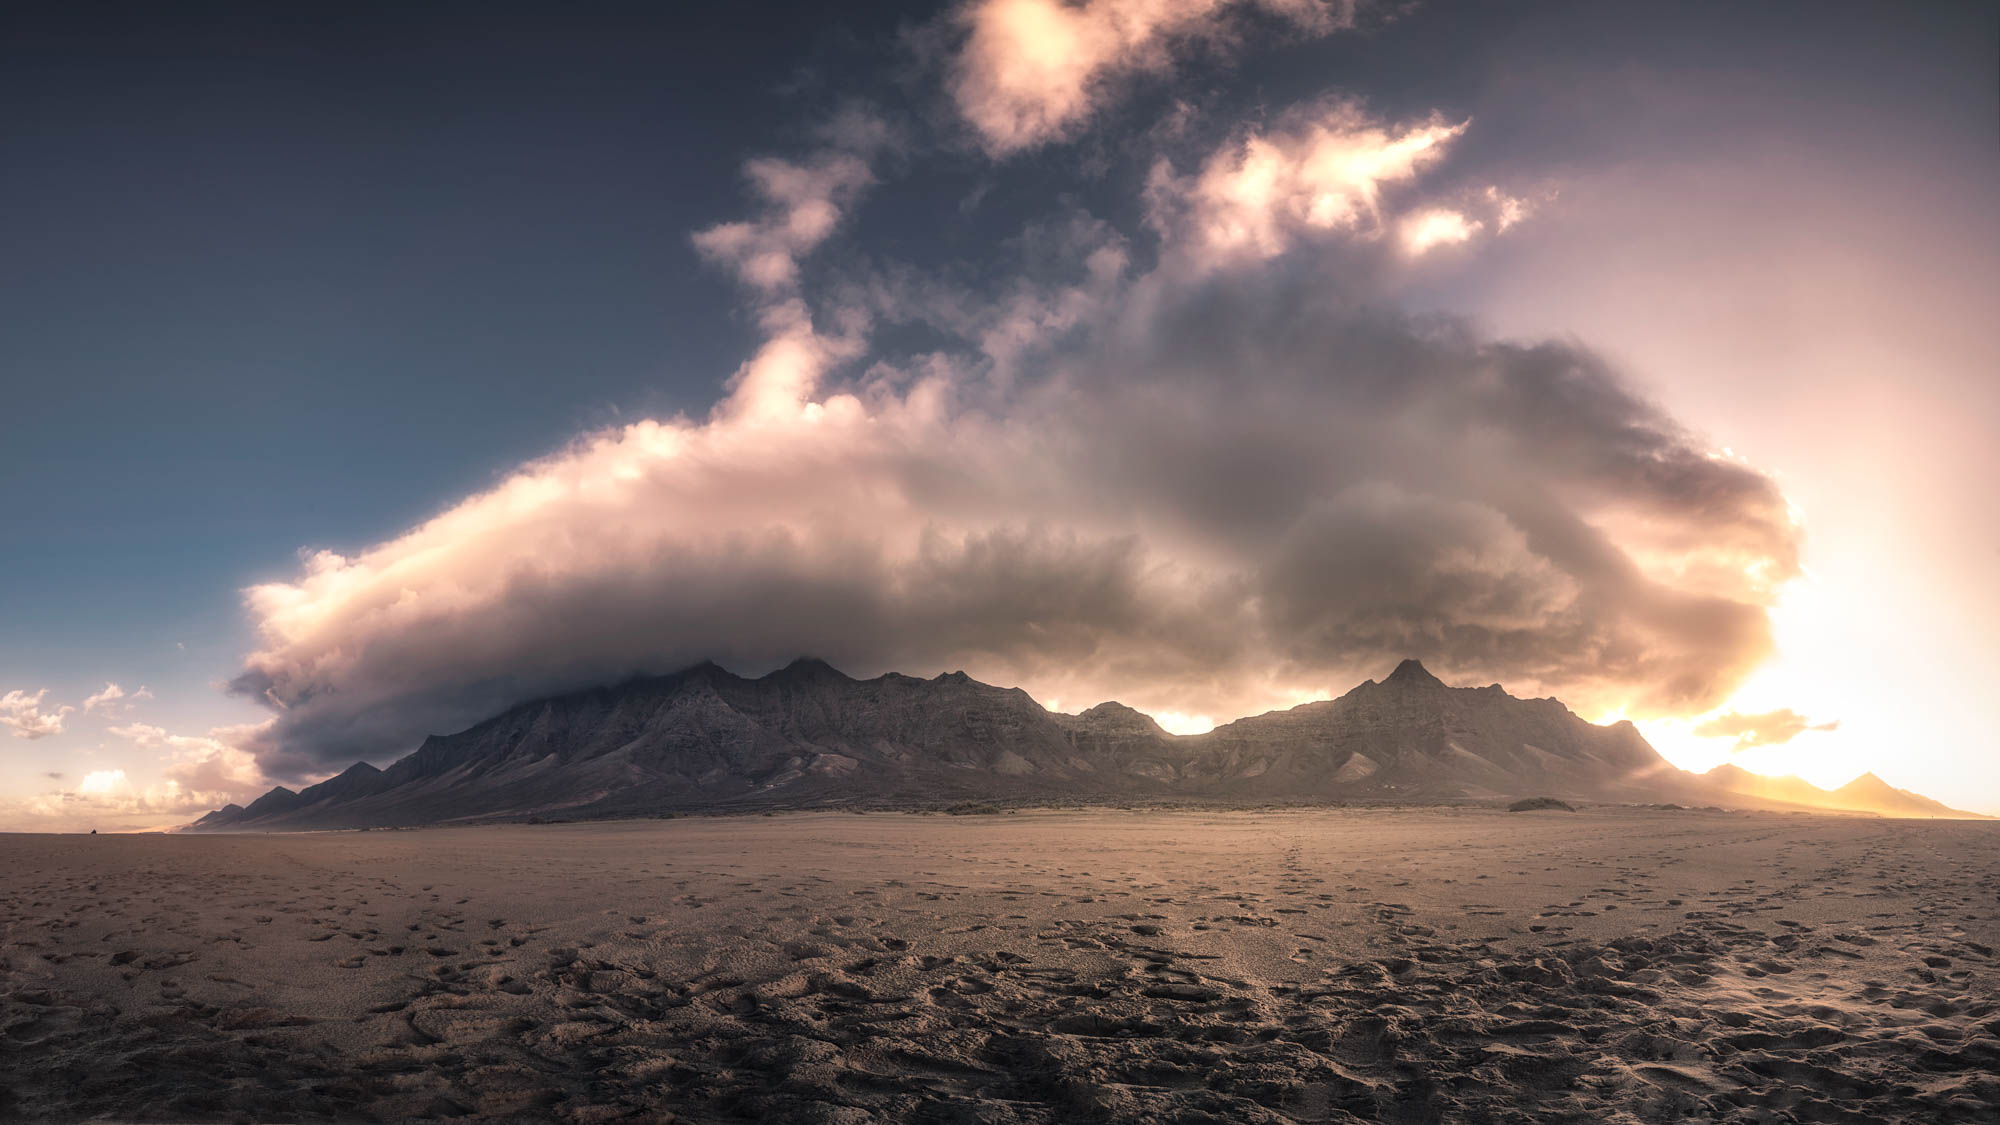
<point>974,808</point>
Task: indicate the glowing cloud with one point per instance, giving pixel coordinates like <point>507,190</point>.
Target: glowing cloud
<point>199,770</point>
<point>1033,71</point>
<point>1773,728</point>
<point>1322,169</point>
<point>1436,226</point>
<point>99,783</point>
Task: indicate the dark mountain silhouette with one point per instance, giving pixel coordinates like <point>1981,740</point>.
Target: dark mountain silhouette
<point>808,734</point>
<point>223,815</point>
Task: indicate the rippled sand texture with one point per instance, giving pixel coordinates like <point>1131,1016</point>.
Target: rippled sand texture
<point>1392,965</point>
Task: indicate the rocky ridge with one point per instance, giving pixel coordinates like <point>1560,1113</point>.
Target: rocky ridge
<point>807,734</point>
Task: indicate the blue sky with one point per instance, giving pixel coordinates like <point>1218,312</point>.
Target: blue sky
<point>273,283</point>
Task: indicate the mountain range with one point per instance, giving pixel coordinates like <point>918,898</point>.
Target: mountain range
<point>806,735</point>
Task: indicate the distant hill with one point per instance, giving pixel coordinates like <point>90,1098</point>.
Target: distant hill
<point>1866,793</point>
<point>809,735</point>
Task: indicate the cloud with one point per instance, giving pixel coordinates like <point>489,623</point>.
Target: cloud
<point>803,202</point>
<point>1436,226</point>
<point>114,697</point>
<point>108,796</point>
<point>24,715</point>
<point>199,771</point>
<point>1029,72</point>
<point>1208,480</point>
<point>1508,210</point>
<point>804,205</point>
<point>1771,728</point>
<point>97,783</point>
<point>196,772</point>
<point>1138,521</point>
<point>1319,170</point>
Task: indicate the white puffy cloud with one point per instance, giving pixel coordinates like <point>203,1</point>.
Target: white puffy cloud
<point>198,771</point>
<point>1033,71</point>
<point>98,783</point>
<point>114,697</point>
<point>24,715</point>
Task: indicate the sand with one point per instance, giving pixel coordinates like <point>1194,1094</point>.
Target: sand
<point>1470,965</point>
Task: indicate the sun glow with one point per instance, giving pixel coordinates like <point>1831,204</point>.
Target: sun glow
<point>1174,722</point>
<point>101,781</point>
<point>1809,674</point>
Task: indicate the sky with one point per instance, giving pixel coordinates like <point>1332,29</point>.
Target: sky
<point>366,369</point>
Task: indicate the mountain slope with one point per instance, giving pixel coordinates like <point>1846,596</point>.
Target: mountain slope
<point>807,734</point>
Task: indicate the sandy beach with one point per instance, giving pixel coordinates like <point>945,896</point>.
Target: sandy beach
<point>1608,965</point>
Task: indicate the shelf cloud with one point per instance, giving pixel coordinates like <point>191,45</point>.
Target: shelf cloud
<point>1203,467</point>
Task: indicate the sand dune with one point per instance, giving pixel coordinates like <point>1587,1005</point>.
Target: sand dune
<point>1336,965</point>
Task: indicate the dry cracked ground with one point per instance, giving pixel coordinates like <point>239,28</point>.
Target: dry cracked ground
<point>1413,965</point>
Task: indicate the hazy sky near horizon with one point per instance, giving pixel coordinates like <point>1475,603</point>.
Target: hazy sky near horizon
<point>365,369</point>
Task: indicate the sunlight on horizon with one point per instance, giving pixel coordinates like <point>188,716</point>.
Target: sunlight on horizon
<point>1808,674</point>
<point>1174,722</point>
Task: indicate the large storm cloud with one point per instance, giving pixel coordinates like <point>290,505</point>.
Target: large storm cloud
<point>1224,480</point>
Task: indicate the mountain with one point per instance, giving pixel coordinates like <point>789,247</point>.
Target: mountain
<point>807,734</point>
<point>1872,794</point>
<point>1866,793</point>
<point>223,815</point>
<point>1410,736</point>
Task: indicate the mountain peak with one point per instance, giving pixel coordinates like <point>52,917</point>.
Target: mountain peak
<point>1115,715</point>
<point>811,667</point>
<point>277,800</point>
<point>1412,673</point>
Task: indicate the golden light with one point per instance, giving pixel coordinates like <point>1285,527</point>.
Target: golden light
<point>1174,722</point>
<point>1809,674</point>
